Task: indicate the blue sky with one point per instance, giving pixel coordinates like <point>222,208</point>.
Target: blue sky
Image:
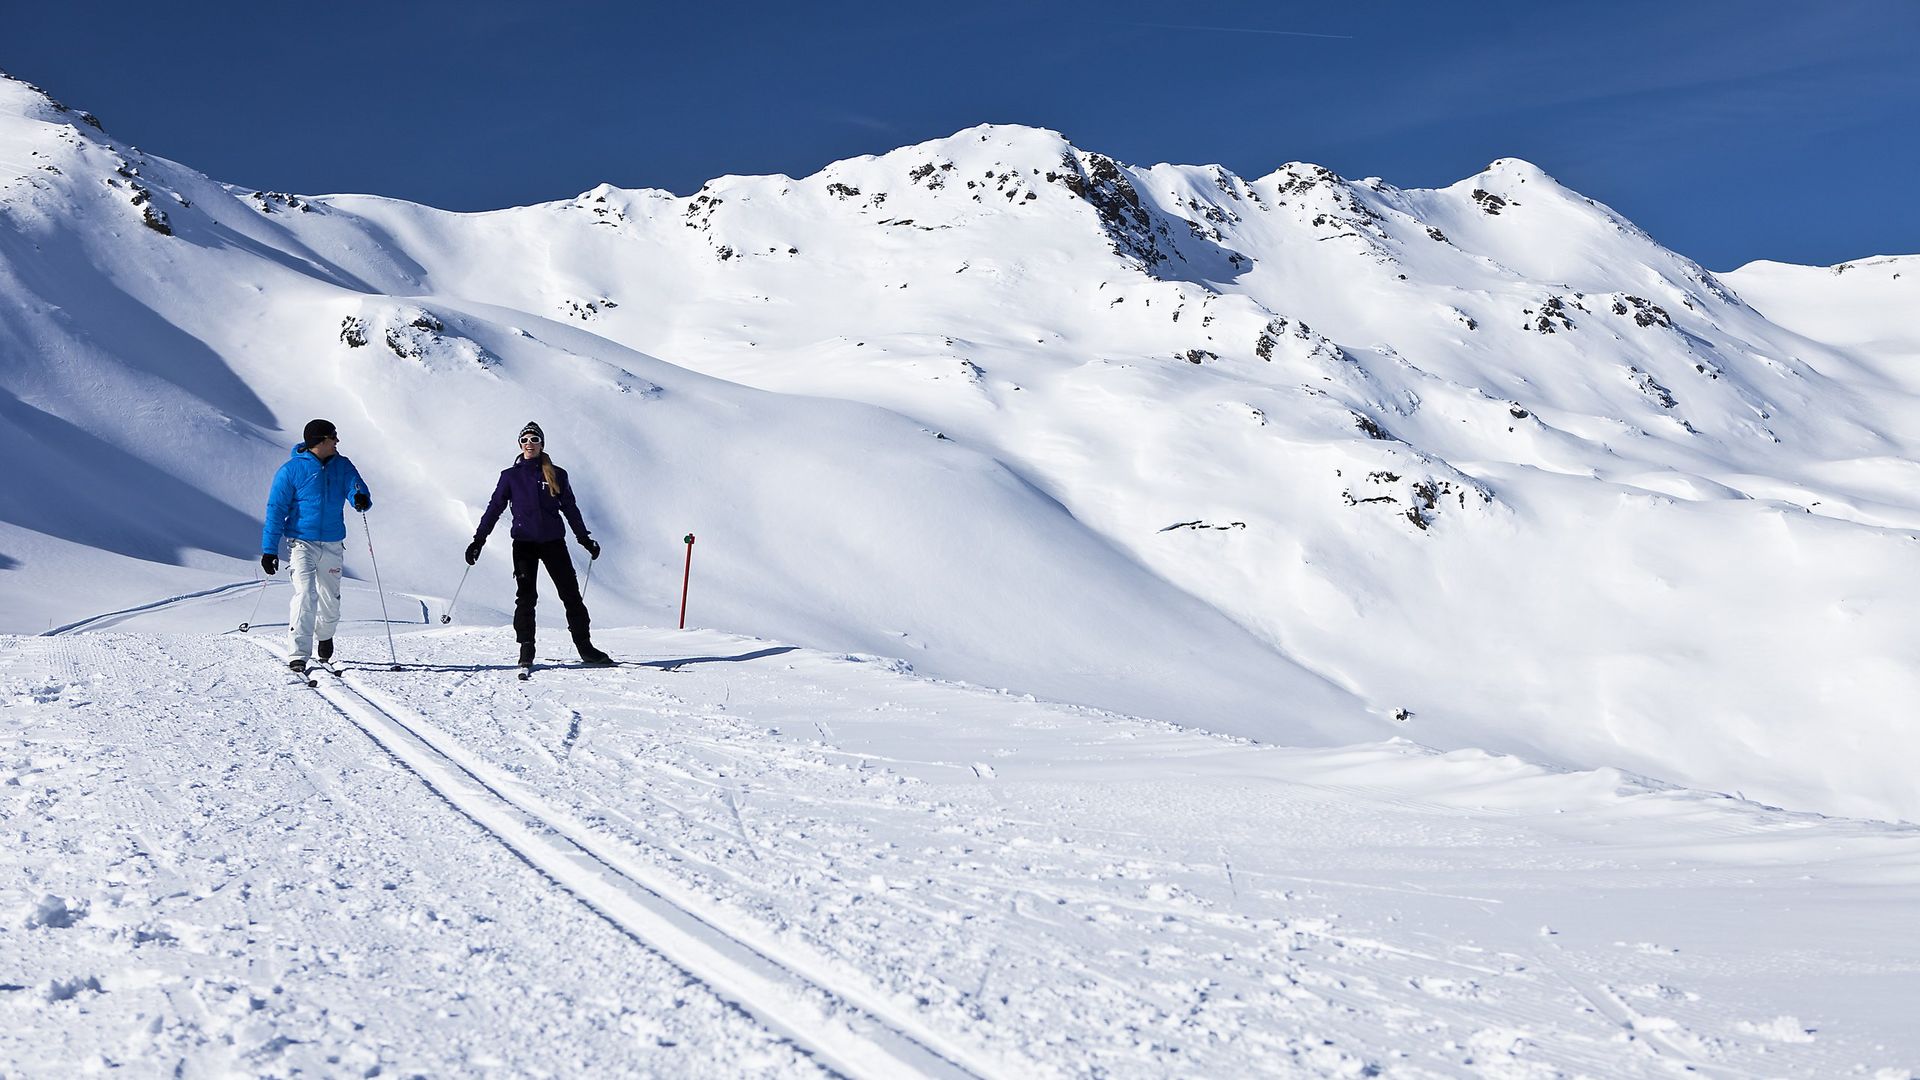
<point>1731,131</point>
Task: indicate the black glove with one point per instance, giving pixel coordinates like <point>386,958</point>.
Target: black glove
<point>362,501</point>
<point>473,552</point>
<point>270,563</point>
<point>592,546</point>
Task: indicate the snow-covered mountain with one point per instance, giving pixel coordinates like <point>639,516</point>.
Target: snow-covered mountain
<point>1299,457</point>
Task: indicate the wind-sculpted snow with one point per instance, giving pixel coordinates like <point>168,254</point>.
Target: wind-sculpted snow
<point>1298,457</point>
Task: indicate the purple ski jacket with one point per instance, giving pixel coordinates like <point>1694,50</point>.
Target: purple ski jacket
<point>536,511</point>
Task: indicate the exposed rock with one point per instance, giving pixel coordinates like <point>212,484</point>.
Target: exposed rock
<point>1553,309</point>
<point>700,211</point>
<point>150,215</point>
<point>418,335</point>
<point>265,201</point>
<point>930,175</point>
<point>1373,430</point>
<point>1128,225</point>
<point>1645,312</point>
<point>1269,337</point>
<point>1651,387</point>
<point>1199,524</point>
<point>588,309</point>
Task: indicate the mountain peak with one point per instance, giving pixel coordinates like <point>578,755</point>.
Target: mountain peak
<point>1505,176</point>
<point>1513,166</point>
<point>1000,145</point>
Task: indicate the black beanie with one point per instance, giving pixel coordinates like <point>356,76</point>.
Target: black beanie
<point>319,429</point>
<point>534,430</point>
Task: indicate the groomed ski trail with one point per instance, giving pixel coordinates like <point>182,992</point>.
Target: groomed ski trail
<point>850,1029</point>
<point>107,619</point>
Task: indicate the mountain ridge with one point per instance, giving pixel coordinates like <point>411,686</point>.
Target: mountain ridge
<point>1533,484</point>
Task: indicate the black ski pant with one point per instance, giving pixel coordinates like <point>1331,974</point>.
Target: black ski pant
<point>527,557</point>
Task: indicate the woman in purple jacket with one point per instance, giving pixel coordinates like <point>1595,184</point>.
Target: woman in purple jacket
<point>541,496</point>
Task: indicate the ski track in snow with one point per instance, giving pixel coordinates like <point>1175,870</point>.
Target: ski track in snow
<point>728,859</point>
<point>775,990</point>
<point>263,893</point>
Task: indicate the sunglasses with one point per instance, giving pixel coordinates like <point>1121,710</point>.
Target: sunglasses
<point>529,440</point>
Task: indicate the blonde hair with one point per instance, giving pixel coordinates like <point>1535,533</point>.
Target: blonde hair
<point>546,470</point>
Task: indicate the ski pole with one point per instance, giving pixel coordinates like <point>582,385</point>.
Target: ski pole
<point>381,589</point>
<point>589,581</point>
<point>685,580</point>
<point>447,615</point>
<point>257,597</point>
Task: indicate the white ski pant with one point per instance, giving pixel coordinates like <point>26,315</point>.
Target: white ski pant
<point>314,568</point>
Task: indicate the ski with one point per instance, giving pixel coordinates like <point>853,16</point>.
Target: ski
<point>303,676</point>
<point>527,672</point>
<point>526,669</point>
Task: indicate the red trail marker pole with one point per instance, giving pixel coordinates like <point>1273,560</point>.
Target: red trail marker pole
<point>684,581</point>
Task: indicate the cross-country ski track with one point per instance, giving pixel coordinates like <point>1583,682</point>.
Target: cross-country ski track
<point>730,856</point>
<point>851,1029</point>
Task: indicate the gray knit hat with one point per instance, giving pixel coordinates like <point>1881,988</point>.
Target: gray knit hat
<point>533,429</point>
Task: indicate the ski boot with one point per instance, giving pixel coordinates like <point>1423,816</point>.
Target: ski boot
<point>590,655</point>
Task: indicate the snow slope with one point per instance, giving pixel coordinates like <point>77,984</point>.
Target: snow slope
<point>819,508</point>
<point>737,857</point>
<point>1174,624</point>
<point>1865,307</point>
<point>1286,457</point>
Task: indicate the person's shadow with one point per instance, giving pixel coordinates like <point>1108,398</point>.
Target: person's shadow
<point>674,665</point>
<point>663,665</point>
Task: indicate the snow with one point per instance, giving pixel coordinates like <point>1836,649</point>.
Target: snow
<point>1865,306</point>
<point>1148,621</point>
<point>734,855</point>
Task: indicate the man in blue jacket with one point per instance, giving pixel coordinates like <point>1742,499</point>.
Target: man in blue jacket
<point>304,507</point>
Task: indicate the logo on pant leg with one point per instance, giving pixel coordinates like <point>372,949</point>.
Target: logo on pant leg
<point>335,571</point>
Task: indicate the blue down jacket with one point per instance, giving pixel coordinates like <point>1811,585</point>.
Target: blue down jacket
<point>306,500</point>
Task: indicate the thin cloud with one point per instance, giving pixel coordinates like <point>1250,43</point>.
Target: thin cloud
<point>870,123</point>
<point>1247,30</point>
